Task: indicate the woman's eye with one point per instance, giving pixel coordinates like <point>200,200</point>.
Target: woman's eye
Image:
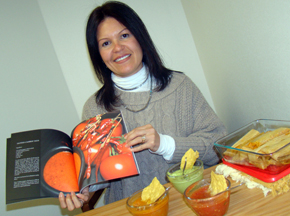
<point>125,35</point>
<point>105,44</point>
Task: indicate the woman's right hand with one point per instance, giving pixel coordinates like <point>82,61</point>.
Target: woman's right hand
<point>72,201</point>
<point>145,135</point>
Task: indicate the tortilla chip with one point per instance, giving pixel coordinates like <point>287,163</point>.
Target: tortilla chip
<point>152,192</point>
<point>218,183</point>
<point>191,157</point>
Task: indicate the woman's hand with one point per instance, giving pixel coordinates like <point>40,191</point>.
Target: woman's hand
<point>72,201</point>
<point>146,135</point>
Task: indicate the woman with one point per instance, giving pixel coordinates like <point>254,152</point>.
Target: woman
<point>165,112</point>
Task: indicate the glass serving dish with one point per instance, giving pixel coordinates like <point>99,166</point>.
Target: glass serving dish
<point>202,204</point>
<point>181,181</point>
<point>269,164</point>
<point>137,207</point>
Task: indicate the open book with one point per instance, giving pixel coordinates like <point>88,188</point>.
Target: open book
<point>41,163</point>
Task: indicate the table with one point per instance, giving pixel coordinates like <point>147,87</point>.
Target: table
<point>243,202</point>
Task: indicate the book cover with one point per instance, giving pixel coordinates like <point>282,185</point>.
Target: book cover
<point>41,163</point>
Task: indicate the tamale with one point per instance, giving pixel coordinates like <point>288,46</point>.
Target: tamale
<point>263,149</point>
<point>267,136</point>
<point>255,159</point>
<point>275,147</point>
<point>241,142</point>
<point>246,138</point>
<point>283,147</point>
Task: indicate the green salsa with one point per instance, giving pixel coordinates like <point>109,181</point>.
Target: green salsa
<point>181,181</point>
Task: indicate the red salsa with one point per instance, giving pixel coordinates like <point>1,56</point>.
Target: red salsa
<point>216,205</point>
<point>201,193</point>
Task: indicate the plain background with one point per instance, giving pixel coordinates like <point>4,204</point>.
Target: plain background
<point>237,53</point>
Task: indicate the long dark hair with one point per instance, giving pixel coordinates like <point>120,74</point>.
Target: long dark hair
<point>128,17</point>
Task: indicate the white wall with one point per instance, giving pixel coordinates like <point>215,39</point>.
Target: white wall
<point>244,49</point>
<point>34,93</point>
<point>46,75</point>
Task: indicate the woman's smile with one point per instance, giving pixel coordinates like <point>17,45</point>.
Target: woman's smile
<point>122,58</point>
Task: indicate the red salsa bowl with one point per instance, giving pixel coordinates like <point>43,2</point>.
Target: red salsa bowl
<point>202,203</point>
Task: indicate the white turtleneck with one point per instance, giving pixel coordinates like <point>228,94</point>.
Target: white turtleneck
<point>167,143</point>
<point>134,81</point>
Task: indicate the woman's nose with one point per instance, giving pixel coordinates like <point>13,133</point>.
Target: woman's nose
<point>117,46</point>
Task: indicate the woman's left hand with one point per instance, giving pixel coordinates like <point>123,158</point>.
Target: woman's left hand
<point>146,135</point>
<point>72,201</point>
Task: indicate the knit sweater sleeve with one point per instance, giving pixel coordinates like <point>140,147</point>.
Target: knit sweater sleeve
<point>198,123</point>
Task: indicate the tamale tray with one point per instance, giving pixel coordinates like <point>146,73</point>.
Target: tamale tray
<point>262,147</point>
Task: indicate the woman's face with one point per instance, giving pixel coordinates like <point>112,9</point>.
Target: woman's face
<point>119,48</point>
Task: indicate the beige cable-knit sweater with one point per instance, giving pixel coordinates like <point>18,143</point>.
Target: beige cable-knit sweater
<point>179,111</point>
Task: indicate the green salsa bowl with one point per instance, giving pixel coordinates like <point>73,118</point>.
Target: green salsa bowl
<point>181,181</point>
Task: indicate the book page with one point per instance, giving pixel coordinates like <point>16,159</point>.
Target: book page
<point>36,162</point>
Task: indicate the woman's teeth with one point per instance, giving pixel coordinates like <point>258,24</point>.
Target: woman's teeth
<point>122,58</point>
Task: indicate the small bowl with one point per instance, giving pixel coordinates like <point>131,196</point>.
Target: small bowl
<point>181,182</point>
<point>207,205</point>
<point>136,207</point>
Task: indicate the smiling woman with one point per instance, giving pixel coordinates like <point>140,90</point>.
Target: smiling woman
<point>166,114</point>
